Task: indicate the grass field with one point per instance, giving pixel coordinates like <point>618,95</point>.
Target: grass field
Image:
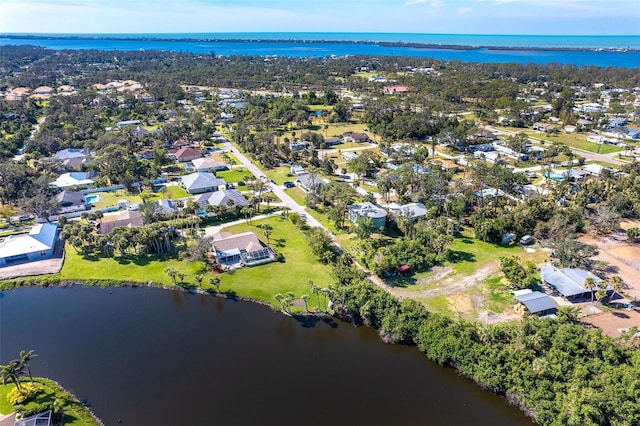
<point>75,413</point>
<point>279,175</point>
<point>259,282</point>
<point>297,194</point>
<point>233,175</point>
<point>111,198</point>
<point>574,140</point>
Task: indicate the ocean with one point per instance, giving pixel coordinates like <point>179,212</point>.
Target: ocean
<point>603,51</point>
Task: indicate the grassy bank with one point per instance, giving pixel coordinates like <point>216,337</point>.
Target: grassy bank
<point>75,414</point>
<point>258,282</point>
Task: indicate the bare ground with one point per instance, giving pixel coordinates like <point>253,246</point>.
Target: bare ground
<point>613,323</point>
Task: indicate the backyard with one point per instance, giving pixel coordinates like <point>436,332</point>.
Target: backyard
<point>258,282</point>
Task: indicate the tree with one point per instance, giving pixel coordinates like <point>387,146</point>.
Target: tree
<point>633,234</point>
<point>315,290</point>
<point>215,281</point>
<point>616,284</point>
<point>200,247</point>
<point>12,372</point>
<point>173,274</point>
<point>199,278</point>
<point>25,359</point>
<point>590,284</point>
<point>305,299</point>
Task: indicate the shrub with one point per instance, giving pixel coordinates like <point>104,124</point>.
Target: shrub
<point>15,397</point>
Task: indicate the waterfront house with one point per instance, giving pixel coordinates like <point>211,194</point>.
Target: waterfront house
<point>377,215</point>
<point>39,243</point>
<point>200,182</point>
<point>130,218</point>
<point>239,250</point>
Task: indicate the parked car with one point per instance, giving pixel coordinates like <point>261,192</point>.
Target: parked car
<point>241,183</point>
<point>289,184</point>
<point>527,240</point>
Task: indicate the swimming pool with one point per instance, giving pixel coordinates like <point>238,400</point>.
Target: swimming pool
<point>92,199</point>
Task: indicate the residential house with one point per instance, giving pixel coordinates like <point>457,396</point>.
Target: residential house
<point>392,90</point>
<point>537,303</point>
<point>349,155</point>
<point>616,122</point>
<point>43,90</point>
<point>332,141</point>
<point>79,179</point>
<point>310,182</point>
<point>70,153</point>
<point>130,218</point>
<point>411,210</point>
<point>187,153</point>
<point>164,207</point>
<point>39,243</point>
<point>208,165</point>
<point>200,182</point>
<point>228,198</point>
<point>449,166</point>
<point>355,137</point>
<point>297,170</point>
<point>127,123</point>
<point>240,250</point>
<point>544,127</point>
<point>299,145</point>
<point>41,419</point>
<point>377,215</point>
<point>569,282</point>
<point>70,201</point>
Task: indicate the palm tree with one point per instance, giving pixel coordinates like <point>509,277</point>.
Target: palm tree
<point>215,281</point>
<point>305,299</point>
<point>199,278</point>
<point>12,372</point>
<point>590,284</point>
<point>25,359</point>
<point>616,284</point>
<point>315,290</point>
<point>173,273</point>
<point>267,234</point>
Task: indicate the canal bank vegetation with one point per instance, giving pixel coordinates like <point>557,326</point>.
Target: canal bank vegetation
<point>26,396</point>
<point>558,371</point>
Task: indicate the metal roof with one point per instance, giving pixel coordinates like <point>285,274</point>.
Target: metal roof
<point>568,281</point>
<point>536,301</point>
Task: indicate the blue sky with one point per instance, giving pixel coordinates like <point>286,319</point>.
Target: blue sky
<point>597,17</point>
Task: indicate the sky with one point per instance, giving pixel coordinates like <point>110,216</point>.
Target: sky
<point>543,17</point>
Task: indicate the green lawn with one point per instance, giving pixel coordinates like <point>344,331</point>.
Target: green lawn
<point>108,199</point>
<point>233,175</point>
<point>259,282</point>
<point>279,175</point>
<point>174,192</point>
<point>297,194</point>
<point>75,413</point>
<point>574,140</point>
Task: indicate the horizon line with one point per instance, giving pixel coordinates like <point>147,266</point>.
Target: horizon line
<point>315,32</point>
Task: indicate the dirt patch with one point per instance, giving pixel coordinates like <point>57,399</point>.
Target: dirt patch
<point>613,323</point>
<point>490,317</point>
<point>462,304</point>
<point>623,260</point>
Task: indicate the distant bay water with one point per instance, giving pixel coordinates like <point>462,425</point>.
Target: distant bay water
<point>604,51</point>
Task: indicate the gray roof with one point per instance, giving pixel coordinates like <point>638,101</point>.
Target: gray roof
<point>128,218</point>
<point>201,180</point>
<point>221,198</point>
<point>74,198</point>
<point>536,302</point>
<point>368,209</point>
<point>309,181</point>
<point>164,206</point>
<point>568,281</point>
<point>65,154</point>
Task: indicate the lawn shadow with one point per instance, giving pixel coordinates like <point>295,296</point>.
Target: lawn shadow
<point>402,281</point>
<point>466,240</point>
<point>620,315</point>
<point>457,256</point>
<point>92,257</point>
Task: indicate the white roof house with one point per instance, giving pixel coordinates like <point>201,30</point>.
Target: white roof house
<point>38,243</point>
<point>199,182</point>
<point>73,179</point>
<point>68,153</point>
<point>207,164</point>
<point>411,210</point>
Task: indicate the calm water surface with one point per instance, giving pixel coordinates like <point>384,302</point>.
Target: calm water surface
<point>148,356</point>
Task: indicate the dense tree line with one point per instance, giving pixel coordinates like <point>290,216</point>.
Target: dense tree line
<point>558,371</point>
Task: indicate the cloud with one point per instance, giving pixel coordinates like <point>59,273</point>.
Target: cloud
<point>464,10</point>
<point>432,3</point>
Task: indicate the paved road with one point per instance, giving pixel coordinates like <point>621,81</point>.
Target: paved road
<point>278,191</point>
<point>295,207</point>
